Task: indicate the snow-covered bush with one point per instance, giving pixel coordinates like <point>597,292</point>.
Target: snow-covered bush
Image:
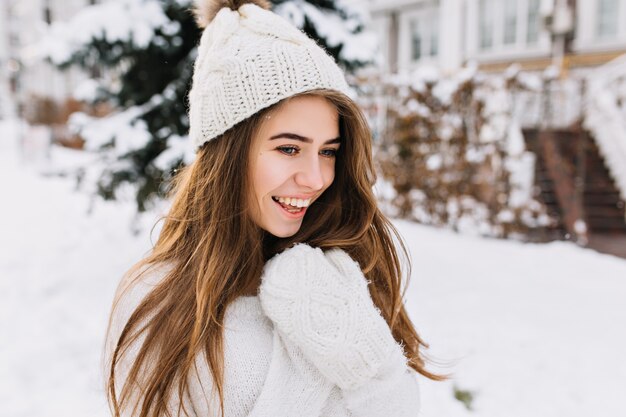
<point>455,156</point>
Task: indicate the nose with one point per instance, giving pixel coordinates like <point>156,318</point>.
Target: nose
<point>311,173</point>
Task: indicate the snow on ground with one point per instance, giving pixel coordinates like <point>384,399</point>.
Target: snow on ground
<point>58,271</point>
<point>530,330</point>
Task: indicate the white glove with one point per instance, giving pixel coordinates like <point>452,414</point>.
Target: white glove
<point>321,303</point>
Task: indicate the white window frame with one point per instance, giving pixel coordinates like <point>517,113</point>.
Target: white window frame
<point>526,13</point>
<point>616,13</point>
<point>405,41</point>
<point>587,40</point>
<point>381,25</point>
<point>500,50</point>
<point>517,15</point>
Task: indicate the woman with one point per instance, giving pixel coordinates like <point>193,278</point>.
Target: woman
<point>255,299</point>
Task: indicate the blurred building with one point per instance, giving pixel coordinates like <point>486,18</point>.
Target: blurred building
<point>494,33</point>
<point>23,75</point>
<point>7,66</point>
<point>574,125</point>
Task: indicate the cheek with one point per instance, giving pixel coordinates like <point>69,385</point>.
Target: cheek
<point>329,174</point>
<point>268,175</point>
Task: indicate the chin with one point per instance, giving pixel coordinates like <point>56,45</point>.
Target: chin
<point>282,232</point>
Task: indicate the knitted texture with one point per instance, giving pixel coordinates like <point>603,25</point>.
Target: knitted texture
<point>248,60</point>
<point>265,374</point>
<point>322,304</point>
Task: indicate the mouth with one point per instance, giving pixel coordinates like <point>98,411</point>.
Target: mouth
<point>293,207</point>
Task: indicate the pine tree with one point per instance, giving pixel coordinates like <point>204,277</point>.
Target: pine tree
<point>143,52</point>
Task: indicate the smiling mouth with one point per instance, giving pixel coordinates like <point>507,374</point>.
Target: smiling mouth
<point>292,205</point>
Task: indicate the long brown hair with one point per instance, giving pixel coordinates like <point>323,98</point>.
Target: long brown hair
<point>206,231</point>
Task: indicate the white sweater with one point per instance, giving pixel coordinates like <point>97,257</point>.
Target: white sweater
<point>266,374</point>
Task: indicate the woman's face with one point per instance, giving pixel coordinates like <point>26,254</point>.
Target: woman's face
<point>292,162</point>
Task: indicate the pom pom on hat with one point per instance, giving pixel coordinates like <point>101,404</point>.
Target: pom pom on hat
<point>206,10</point>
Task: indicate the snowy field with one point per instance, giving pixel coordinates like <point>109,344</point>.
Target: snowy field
<point>526,330</point>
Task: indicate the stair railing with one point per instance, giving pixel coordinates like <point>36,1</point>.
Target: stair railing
<point>604,119</point>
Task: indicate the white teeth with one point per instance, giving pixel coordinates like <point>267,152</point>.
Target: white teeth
<point>295,202</point>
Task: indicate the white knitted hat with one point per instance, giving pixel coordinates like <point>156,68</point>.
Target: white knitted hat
<point>248,59</point>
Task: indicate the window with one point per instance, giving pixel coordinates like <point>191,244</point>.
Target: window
<point>606,18</point>
<point>416,40</point>
<point>424,35</point>
<point>434,37</point>
<point>510,21</point>
<point>532,31</point>
<point>506,25</point>
<point>485,11</point>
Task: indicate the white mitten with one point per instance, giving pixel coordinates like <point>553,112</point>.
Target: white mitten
<point>321,303</point>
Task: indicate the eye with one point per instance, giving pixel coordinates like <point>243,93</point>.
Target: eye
<point>288,150</point>
<point>330,153</point>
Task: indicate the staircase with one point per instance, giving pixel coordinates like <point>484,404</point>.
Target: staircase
<point>545,191</point>
<point>574,184</point>
<point>604,208</point>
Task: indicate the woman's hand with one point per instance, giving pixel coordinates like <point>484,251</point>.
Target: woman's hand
<point>321,303</point>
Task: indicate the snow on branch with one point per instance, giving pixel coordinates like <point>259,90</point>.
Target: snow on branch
<point>126,21</point>
<point>342,27</point>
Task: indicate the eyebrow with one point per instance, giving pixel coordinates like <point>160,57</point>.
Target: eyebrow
<point>303,138</point>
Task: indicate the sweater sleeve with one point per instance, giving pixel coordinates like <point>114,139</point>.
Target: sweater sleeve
<point>290,385</point>
<point>265,376</point>
<point>394,392</point>
<point>129,295</point>
<point>294,387</point>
